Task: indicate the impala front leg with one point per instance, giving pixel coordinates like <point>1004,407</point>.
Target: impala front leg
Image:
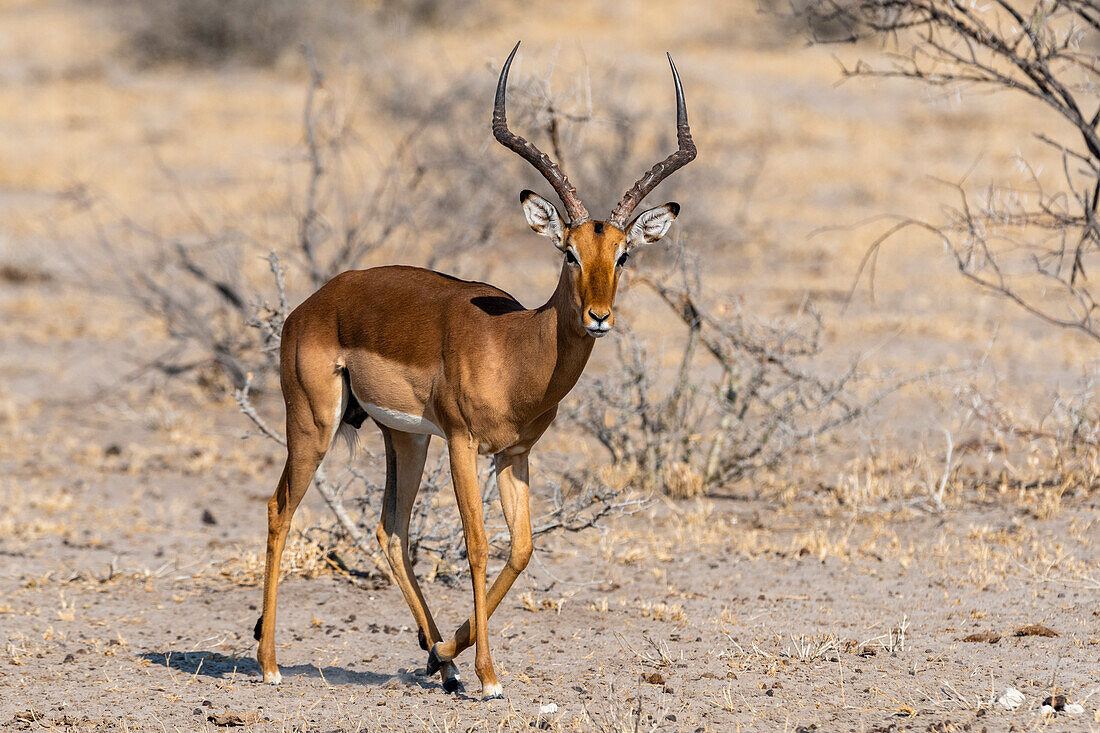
<point>463,455</point>
<point>514,483</point>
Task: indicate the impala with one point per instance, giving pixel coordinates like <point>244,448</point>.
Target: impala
<point>423,354</point>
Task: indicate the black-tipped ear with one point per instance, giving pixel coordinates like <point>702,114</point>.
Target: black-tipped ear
<point>651,225</point>
<point>543,217</point>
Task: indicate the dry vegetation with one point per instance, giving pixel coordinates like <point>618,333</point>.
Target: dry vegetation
<point>775,501</point>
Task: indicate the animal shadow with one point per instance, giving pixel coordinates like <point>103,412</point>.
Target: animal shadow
<point>220,666</point>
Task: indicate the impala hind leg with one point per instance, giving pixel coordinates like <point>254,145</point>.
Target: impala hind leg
<point>309,434</point>
<point>513,480</point>
<point>463,454</point>
<point>405,456</point>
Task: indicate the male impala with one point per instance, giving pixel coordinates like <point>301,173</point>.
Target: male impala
<point>423,354</point>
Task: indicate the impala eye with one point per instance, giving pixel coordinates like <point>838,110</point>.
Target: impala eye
<point>622,260</point>
<point>570,257</point>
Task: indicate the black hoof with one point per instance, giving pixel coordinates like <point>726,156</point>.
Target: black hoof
<point>494,696</point>
<point>434,663</point>
<point>453,685</point>
<point>422,639</point>
<point>259,625</point>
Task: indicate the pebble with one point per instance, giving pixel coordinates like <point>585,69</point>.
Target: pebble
<point>1011,698</point>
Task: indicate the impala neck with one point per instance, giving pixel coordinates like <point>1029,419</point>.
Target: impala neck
<point>560,333</point>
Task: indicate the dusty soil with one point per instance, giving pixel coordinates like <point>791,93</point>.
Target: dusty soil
<point>818,598</point>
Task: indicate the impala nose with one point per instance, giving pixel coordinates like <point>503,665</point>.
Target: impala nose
<point>599,317</point>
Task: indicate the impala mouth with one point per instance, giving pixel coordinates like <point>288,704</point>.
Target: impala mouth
<point>598,331</point>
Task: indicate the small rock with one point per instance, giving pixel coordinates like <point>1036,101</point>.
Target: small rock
<point>989,637</point>
<point>233,720</point>
<point>1046,710</point>
<point>1035,630</point>
<point>1073,709</point>
<point>549,709</point>
<point>208,517</point>
<point>1011,699</point>
<point>69,658</point>
<point>654,678</point>
<point>1058,702</point>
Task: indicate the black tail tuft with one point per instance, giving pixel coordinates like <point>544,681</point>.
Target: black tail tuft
<point>354,414</point>
<point>259,625</point>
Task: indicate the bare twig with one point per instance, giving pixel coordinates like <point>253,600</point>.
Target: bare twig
<point>1026,244</point>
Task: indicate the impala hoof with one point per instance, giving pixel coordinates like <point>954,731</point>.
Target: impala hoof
<point>434,663</point>
<point>275,678</point>
<point>422,639</point>
<point>259,625</point>
<point>493,692</point>
<point>453,685</point>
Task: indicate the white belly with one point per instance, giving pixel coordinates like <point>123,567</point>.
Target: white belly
<point>403,421</point>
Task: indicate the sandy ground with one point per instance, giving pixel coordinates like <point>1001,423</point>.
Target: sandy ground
<point>134,514</point>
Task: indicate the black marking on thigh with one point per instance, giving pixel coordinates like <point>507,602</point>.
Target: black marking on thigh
<point>259,625</point>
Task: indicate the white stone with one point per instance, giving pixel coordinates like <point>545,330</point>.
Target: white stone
<point>549,709</point>
<point>1011,698</point>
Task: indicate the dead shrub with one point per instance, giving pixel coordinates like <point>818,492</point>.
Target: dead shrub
<point>1038,457</point>
<point>746,395</point>
<point>826,20</point>
<point>212,32</point>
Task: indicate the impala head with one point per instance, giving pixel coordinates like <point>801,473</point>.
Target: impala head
<point>595,251</point>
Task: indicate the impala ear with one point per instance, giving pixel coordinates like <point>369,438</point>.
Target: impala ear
<point>543,217</point>
<point>651,224</point>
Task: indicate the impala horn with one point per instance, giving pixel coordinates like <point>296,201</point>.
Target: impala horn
<point>684,155</point>
<point>540,160</point>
